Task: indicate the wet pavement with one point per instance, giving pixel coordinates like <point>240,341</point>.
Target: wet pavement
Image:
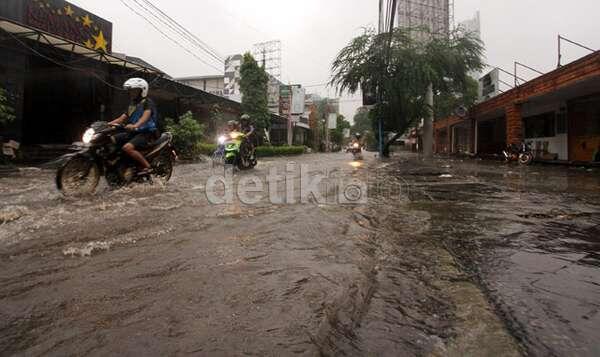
<point>446,258</point>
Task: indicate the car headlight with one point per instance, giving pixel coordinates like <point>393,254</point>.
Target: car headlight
<point>88,136</point>
<point>221,139</point>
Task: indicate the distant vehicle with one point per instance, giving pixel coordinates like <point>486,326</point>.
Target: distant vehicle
<point>101,156</point>
<point>356,150</point>
<point>230,152</point>
<point>521,153</point>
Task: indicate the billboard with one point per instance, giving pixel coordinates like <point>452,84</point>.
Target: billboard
<point>66,20</point>
<point>489,85</point>
<point>285,100</point>
<point>298,99</point>
<point>332,121</point>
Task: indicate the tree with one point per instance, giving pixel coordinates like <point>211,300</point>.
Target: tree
<point>362,122</point>
<point>446,103</point>
<point>187,133</point>
<point>401,68</point>
<point>254,85</point>
<point>337,134</point>
<point>7,113</point>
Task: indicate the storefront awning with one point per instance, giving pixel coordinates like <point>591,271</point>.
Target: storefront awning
<point>22,32</point>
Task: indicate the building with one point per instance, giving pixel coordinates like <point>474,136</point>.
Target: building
<point>558,114</point>
<point>211,84</point>
<point>57,65</point>
<point>431,14</point>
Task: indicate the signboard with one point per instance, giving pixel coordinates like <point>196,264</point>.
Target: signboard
<point>285,100</point>
<point>332,121</point>
<point>346,133</point>
<point>489,85</point>
<point>298,99</point>
<point>66,20</point>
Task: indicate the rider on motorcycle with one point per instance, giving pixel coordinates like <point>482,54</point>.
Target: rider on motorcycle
<point>357,140</point>
<point>140,120</point>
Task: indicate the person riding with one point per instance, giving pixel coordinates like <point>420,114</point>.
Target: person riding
<point>140,119</point>
<point>248,129</point>
<point>357,139</point>
<point>232,126</point>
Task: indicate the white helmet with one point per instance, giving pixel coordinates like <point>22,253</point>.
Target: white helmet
<point>138,83</point>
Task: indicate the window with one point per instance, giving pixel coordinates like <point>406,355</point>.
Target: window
<point>540,126</point>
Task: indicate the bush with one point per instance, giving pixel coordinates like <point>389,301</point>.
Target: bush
<point>187,133</point>
<point>206,149</point>
<point>261,151</point>
<point>267,151</point>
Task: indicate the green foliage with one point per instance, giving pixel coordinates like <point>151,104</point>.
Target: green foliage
<point>401,68</point>
<point>187,133</point>
<point>254,84</point>
<point>261,151</point>
<point>337,135</point>
<point>7,112</point>
<point>445,103</point>
<point>267,151</point>
<point>362,122</point>
<point>206,149</point>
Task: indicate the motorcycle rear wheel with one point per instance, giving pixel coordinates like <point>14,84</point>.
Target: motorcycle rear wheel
<point>525,159</point>
<point>79,176</point>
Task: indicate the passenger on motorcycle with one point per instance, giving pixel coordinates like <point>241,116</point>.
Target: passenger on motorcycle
<point>140,119</point>
<point>248,129</point>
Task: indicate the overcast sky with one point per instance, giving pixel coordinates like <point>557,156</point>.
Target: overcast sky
<point>313,31</point>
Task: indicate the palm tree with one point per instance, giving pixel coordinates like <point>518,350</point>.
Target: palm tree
<point>401,66</point>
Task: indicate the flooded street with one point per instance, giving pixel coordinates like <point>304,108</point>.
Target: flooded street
<point>448,257</point>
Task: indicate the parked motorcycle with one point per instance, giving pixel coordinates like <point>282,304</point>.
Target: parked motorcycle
<point>231,151</point>
<point>356,150</point>
<point>101,156</point>
<point>521,153</point>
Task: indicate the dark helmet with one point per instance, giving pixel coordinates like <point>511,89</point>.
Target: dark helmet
<point>358,135</point>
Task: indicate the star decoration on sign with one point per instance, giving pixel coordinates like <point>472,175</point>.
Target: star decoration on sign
<point>87,21</point>
<point>69,10</point>
<point>101,43</point>
<point>89,44</point>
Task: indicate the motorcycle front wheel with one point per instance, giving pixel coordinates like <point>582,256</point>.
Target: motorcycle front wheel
<point>79,176</point>
<point>162,168</point>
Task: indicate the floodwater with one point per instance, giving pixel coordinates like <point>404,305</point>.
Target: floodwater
<point>445,258</point>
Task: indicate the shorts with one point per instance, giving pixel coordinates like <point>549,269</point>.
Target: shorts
<point>140,141</point>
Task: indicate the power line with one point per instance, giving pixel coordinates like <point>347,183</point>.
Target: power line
<point>186,33</point>
<point>169,37</point>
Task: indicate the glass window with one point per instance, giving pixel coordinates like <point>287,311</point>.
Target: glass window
<point>540,126</point>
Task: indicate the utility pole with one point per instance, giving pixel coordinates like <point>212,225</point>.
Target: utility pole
<point>290,128</point>
<point>428,126</point>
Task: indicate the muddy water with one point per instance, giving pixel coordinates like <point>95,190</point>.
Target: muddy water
<point>530,236</point>
<point>441,261</point>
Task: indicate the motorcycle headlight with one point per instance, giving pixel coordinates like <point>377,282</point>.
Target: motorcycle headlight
<point>221,139</point>
<point>88,136</point>
<point>356,146</point>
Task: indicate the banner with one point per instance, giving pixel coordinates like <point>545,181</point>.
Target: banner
<point>332,121</point>
<point>298,99</point>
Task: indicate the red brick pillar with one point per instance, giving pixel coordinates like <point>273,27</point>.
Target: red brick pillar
<point>514,124</point>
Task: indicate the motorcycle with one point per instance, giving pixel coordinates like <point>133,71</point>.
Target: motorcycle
<point>356,151</point>
<point>521,153</point>
<point>232,151</point>
<point>101,156</point>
